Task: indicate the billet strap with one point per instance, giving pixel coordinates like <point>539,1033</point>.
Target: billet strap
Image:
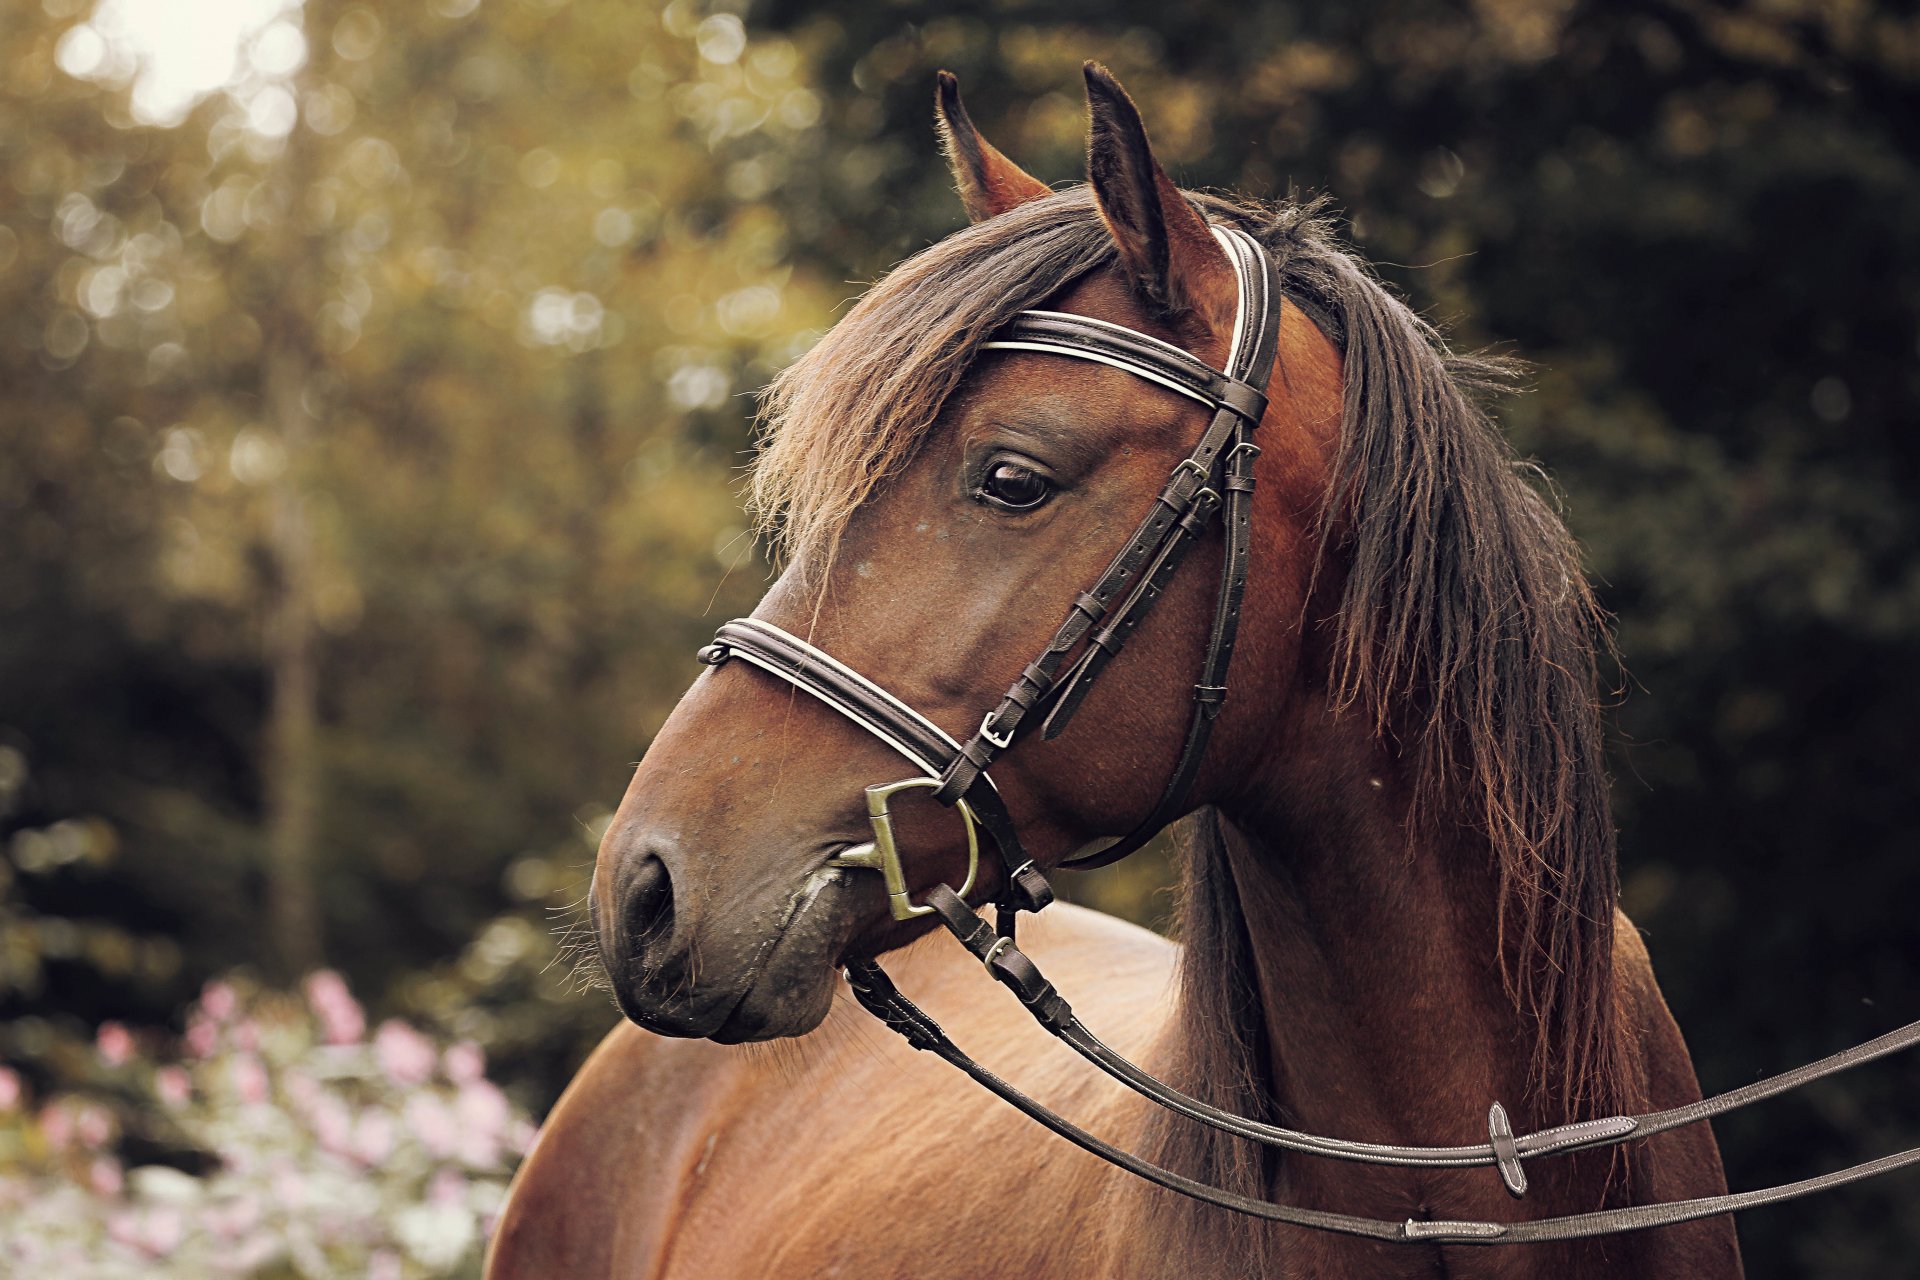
<point>879,996</point>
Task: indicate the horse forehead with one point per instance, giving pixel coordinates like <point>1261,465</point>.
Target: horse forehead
<point>1108,295</point>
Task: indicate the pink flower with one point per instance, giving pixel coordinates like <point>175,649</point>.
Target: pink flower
<point>155,1232</point>
<point>464,1062</point>
<point>56,1126</point>
<point>173,1086</point>
<point>302,1090</point>
<point>255,1253</point>
<point>404,1054</point>
<point>447,1188</point>
<point>11,1089</point>
<point>114,1043</point>
<point>290,1189</point>
<point>218,1001</point>
<point>341,1018</point>
<point>94,1126</point>
<point>246,1035</point>
<point>373,1137</point>
<point>432,1122</point>
<point>484,1114</point>
<point>161,1231</point>
<point>233,1219</point>
<point>123,1227</point>
<point>332,1125</point>
<point>384,1265</point>
<point>250,1079</point>
<point>203,1036</point>
<point>103,1175</point>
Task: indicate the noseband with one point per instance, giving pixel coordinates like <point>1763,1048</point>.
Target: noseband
<point>1215,479</point>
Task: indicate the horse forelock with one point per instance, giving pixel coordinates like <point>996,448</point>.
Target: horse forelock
<point>849,414</point>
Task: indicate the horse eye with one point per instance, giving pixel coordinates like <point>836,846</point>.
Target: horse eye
<point>1014,487</point>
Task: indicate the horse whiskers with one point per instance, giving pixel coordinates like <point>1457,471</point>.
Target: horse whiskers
<point>576,947</point>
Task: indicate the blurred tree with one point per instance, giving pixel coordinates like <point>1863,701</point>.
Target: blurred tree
<point>367,471</point>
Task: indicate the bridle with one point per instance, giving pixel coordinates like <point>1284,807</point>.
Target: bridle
<point>1215,479</point>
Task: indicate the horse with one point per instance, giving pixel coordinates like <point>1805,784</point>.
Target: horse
<point>1397,866</point>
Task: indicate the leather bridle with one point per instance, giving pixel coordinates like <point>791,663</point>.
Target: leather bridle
<point>1215,479</point>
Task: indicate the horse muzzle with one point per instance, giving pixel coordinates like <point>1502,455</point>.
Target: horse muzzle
<point>762,969</point>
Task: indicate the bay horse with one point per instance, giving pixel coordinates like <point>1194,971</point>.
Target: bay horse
<point>1397,897</point>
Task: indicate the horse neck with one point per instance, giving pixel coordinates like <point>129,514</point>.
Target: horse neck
<point>1376,960</point>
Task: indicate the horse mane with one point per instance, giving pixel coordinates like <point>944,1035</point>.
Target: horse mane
<point>1467,633</point>
<point>1465,629</point>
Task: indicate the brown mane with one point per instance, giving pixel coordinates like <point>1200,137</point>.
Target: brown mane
<point>1467,632</point>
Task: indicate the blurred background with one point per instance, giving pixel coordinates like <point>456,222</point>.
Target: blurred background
<point>375,384</point>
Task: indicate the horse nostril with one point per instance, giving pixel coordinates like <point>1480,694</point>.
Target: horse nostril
<point>648,915</point>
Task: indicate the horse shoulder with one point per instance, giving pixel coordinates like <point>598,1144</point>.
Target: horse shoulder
<point>641,1102</point>
<point>845,1152</point>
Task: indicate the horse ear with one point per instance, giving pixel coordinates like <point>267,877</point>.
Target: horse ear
<point>989,182</point>
<point>1177,265</point>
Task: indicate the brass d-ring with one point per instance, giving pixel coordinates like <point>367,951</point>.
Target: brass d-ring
<point>883,854</point>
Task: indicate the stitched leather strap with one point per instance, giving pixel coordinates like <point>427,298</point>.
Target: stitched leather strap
<point>1503,1146</point>
<point>877,994</point>
<point>1257,345</point>
<point>1222,461</point>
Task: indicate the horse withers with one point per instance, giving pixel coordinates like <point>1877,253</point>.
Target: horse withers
<point>1397,898</point>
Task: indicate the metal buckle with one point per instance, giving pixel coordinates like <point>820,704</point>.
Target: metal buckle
<point>1000,742</point>
<point>882,854</point>
<point>1188,464</point>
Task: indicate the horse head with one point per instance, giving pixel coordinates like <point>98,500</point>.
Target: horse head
<point>941,503</point>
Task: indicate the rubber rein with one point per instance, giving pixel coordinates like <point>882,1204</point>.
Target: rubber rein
<point>1215,480</point>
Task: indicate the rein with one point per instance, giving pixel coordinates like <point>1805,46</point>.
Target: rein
<point>1215,479</point>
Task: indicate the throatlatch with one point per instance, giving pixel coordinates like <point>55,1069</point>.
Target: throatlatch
<point>1216,478</point>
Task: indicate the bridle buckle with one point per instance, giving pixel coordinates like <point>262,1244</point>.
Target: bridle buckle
<point>1201,473</point>
<point>1000,741</point>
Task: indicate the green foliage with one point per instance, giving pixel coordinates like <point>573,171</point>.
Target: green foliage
<point>525,271</point>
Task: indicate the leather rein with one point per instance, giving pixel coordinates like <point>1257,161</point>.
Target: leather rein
<point>1215,479</point>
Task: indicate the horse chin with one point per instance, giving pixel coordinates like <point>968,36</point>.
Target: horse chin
<point>772,1009</point>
